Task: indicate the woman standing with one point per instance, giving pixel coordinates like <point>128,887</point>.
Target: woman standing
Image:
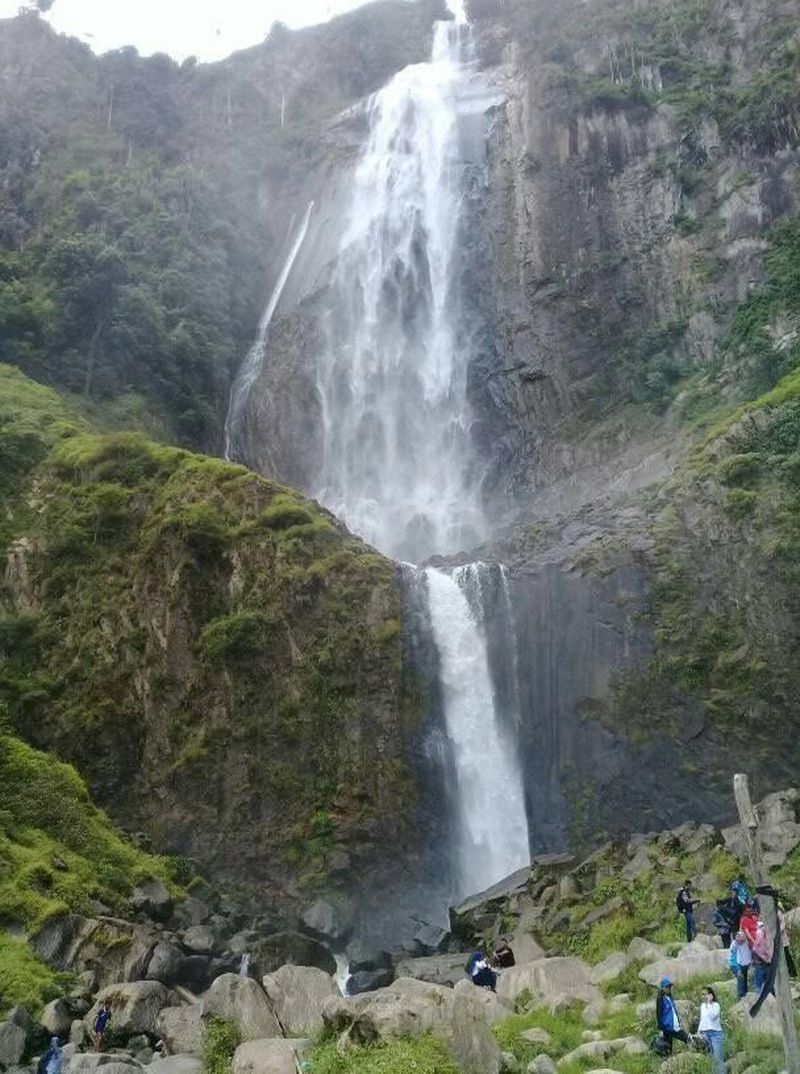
<point>711,1027</point>
<point>740,960</point>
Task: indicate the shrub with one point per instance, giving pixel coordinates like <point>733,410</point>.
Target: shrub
<point>220,1041</point>
<point>422,1055</point>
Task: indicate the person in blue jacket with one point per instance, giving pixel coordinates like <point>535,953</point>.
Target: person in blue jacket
<point>667,1015</point>
<point>480,972</point>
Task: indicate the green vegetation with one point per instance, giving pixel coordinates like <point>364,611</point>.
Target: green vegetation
<point>220,1041</point>
<point>422,1055</point>
<point>57,851</point>
<point>24,980</point>
<point>288,632</point>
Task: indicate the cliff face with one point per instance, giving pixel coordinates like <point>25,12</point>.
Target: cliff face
<point>221,659</point>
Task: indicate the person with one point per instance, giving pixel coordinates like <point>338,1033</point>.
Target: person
<point>762,949</point>
<point>667,1015</point>
<point>480,972</point>
<point>54,1060</point>
<point>710,1027</point>
<point>739,891</point>
<point>101,1024</point>
<point>740,960</point>
<point>686,905</point>
<point>503,955</point>
<point>748,922</point>
<point>726,919</point>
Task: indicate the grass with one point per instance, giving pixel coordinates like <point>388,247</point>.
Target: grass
<point>421,1055</point>
<point>220,1040</point>
<point>24,980</point>
<point>57,851</point>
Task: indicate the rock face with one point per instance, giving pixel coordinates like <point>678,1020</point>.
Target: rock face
<point>134,1007</point>
<point>181,1029</point>
<point>268,1056</point>
<point>242,1001</point>
<point>554,982</point>
<point>297,995</point>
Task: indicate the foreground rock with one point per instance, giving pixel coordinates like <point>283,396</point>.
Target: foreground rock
<point>12,1044</point>
<point>552,982</point>
<point>135,1006</point>
<point>243,1002</point>
<point>181,1029</point>
<point>269,1056</point>
<point>690,964</point>
<point>297,995</point>
<point>472,1044</point>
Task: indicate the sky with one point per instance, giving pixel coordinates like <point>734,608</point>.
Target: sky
<point>208,29</point>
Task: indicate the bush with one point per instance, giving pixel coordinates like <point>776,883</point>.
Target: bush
<point>422,1055</point>
<point>220,1041</point>
<point>24,980</point>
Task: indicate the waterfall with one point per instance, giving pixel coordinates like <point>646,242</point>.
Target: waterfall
<point>251,366</point>
<point>396,462</point>
<point>493,830</point>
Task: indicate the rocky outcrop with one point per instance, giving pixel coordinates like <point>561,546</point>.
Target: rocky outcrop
<point>242,1002</point>
<point>297,995</point>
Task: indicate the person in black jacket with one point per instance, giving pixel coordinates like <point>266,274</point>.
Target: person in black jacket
<point>686,904</point>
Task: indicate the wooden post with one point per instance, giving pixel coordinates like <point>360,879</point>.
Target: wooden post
<point>783,989</point>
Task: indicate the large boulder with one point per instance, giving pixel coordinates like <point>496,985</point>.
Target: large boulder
<point>56,1018</point>
<point>324,921</point>
<point>687,967</point>
<point>269,1056</point>
<point>472,1044</point>
<point>153,899</point>
<point>368,981</point>
<point>110,1062</point>
<point>436,969</point>
<point>297,995</point>
<point>200,940</point>
<point>407,1008</point>
<point>181,1029</point>
<point>110,949</point>
<point>12,1044</point>
<point>768,1019</point>
<point>494,1007</point>
<point>553,982</point>
<point>602,1049</point>
<point>610,968</point>
<point>290,948</point>
<point>166,964</point>
<point>134,1006</point>
<point>176,1064</point>
<point>242,1001</point>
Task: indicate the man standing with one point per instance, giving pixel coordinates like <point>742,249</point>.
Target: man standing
<point>686,905</point>
<point>100,1025</point>
<point>667,1015</point>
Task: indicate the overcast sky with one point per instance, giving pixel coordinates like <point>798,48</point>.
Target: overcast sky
<point>208,29</point>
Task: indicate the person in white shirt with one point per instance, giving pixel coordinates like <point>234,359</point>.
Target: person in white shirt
<point>711,1027</point>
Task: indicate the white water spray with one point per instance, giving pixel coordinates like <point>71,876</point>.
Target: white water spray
<point>251,366</point>
<point>493,826</point>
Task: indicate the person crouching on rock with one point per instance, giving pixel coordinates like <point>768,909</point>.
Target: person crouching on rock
<point>503,955</point>
<point>667,1015</point>
<point>480,972</point>
<point>101,1024</point>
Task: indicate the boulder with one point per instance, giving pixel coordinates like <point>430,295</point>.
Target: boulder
<point>78,1034</point>
<point>181,1029</point>
<point>611,906</point>
<point>436,969</point>
<point>20,1017</point>
<point>368,981</point>
<point>536,1036</point>
<point>698,963</point>
<point>191,911</point>
<point>407,1008</point>
<point>297,995</point>
<point>56,1018</point>
<point>362,957</point>
<point>176,1064</point>
<point>152,899</point>
<point>269,1056</point>
<point>166,964</point>
<point>551,981</point>
<point>134,1006</point>
<point>495,1009</point>
<point>12,1044</point>
<point>108,949</point>
<point>431,938</point>
<point>602,1049</point>
<point>324,921</point>
<point>640,949</point>
<point>242,1001</point>
<point>196,973</point>
<point>200,940</point>
<point>768,1019</point>
<point>542,1064</point>
<point>110,1062</point>
<point>473,1046</point>
<point>639,864</point>
<point>611,967</point>
<point>290,948</point>
<point>242,942</point>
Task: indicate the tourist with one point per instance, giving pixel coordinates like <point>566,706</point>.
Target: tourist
<point>686,905</point>
<point>101,1024</point>
<point>740,960</point>
<point>667,1016</point>
<point>762,949</point>
<point>740,892</point>
<point>748,922</point>
<point>480,972</point>
<point>726,918</point>
<point>710,1027</point>
<point>787,944</point>
<point>503,955</point>
<point>54,1060</point>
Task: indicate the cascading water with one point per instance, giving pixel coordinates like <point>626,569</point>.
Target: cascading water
<point>251,366</point>
<point>493,827</point>
<point>396,460</point>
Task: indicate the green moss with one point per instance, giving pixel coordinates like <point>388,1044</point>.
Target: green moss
<point>24,980</point>
<point>57,851</point>
<point>421,1055</point>
<point>236,636</point>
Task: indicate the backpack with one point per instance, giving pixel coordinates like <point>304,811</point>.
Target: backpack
<point>660,1046</point>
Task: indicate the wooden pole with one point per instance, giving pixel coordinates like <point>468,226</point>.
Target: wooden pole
<point>783,988</point>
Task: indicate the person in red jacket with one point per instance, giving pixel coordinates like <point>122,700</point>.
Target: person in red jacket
<point>749,922</point>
